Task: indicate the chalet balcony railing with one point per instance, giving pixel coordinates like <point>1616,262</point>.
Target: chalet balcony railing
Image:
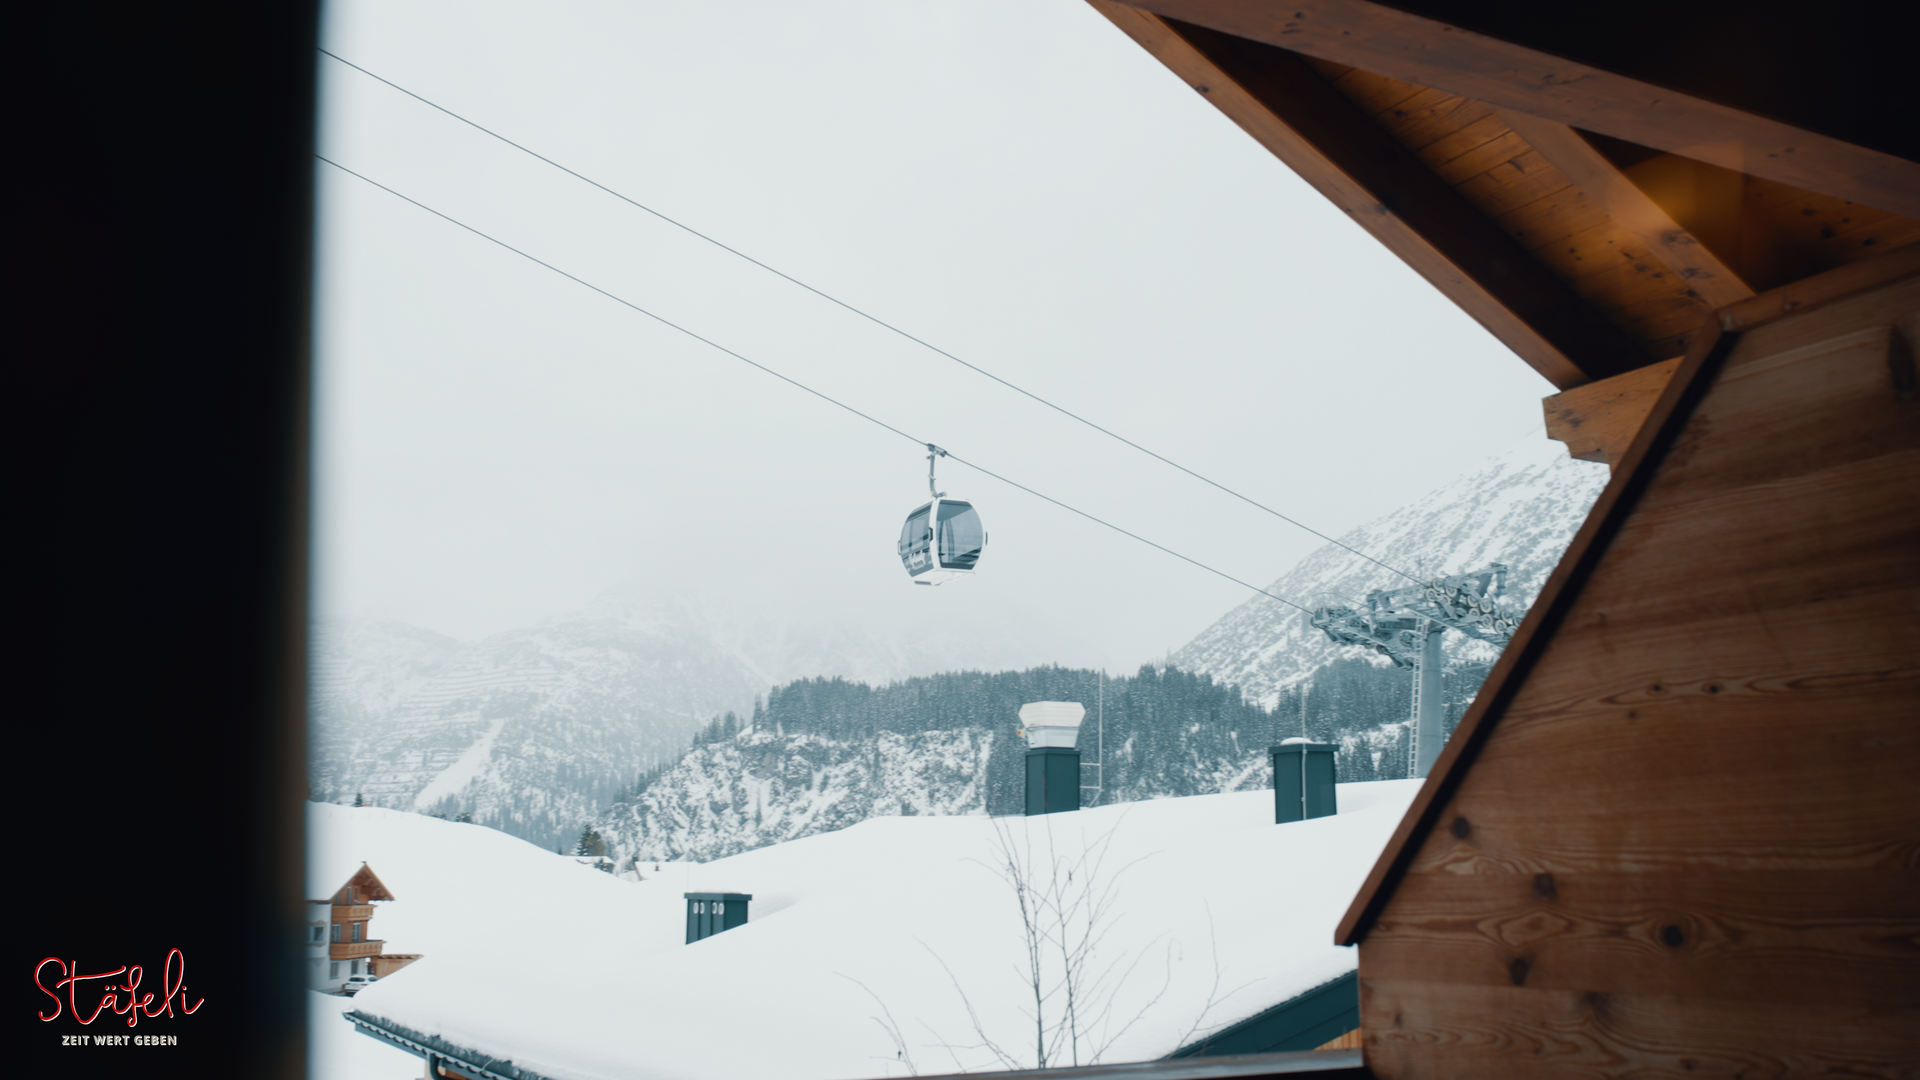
<point>352,912</point>
<point>354,950</point>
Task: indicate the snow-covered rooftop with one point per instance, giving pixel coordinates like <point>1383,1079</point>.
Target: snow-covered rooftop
<point>865,947</point>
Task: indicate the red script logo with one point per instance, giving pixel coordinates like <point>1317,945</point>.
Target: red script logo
<point>133,1005</point>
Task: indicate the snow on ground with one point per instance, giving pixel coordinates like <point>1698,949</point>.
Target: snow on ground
<point>867,948</point>
<point>336,1051</point>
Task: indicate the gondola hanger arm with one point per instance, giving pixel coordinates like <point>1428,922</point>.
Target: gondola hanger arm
<point>933,452</point>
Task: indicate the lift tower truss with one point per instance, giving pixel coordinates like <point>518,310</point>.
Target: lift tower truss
<point>1405,625</point>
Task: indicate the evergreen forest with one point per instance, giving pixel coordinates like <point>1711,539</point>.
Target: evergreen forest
<point>1162,731</point>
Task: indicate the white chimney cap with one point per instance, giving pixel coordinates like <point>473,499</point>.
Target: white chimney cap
<point>1052,723</point>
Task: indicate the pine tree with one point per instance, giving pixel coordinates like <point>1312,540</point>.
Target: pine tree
<point>589,843</point>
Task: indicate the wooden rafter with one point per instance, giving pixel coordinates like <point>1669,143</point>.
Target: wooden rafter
<point>1292,111</point>
<point>1631,208</point>
<point>1386,41</point>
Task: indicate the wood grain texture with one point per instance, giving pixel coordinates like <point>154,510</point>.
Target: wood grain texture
<point>1374,37</point>
<point>1599,420</point>
<point>1692,813</point>
<point>1838,284</point>
<point>1631,208</point>
<point>1808,936</point>
<point>1536,631</point>
<point>1511,184</point>
<point>1524,1032</point>
<point>1318,132</point>
<point>1473,148</point>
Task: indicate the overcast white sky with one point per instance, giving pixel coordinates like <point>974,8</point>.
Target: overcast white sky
<point>1016,182</point>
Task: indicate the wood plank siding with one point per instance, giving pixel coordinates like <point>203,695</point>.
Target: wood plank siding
<point>1689,845</point>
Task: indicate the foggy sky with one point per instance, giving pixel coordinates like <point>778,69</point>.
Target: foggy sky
<point>1017,183</point>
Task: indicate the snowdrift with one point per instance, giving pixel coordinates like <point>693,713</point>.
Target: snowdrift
<point>884,948</point>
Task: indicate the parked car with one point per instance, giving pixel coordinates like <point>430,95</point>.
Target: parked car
<point>357,983</point>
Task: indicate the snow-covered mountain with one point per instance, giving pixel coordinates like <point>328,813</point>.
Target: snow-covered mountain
<point>823,755</point>
<point>534,731</point>
<point>1521,509</point>
<point>762,788</point>
<point>530,731</point>
<point>541,730</point>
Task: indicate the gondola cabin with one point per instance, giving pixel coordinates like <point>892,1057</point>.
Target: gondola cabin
<point>941,540</point>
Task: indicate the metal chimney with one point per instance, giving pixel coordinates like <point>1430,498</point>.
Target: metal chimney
<point>1053,764</point>
<point>709,913</point>
<point>1303,777</point>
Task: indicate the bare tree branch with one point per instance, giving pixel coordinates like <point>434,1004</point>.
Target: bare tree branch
<point>890,1026</point>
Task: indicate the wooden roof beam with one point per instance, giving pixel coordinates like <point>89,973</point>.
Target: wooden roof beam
<point>1565,149</point>
<point>1297,115</point>
<point>1385,41</point>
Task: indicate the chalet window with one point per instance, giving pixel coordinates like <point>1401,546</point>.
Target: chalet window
<point>333,969</point>
<point>336,931</point>
<point>356,967</point>
<point>315,936</point>
<point>359,931</point>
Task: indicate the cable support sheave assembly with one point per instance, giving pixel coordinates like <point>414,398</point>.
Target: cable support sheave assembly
<point>976,466</point>
<point>870,318</point>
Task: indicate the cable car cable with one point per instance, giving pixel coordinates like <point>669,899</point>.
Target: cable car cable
<point>800,385</point>
<point>870,318</point>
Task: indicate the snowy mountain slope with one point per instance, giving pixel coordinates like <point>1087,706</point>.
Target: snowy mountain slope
<point>538,731</point>
<point>1522,509</point>
<point>534,731</point>
<point>361,672</point>
<point>763,789</point>
<point>531,731</point>
<point>1225,912</point>
<point>824,754</point>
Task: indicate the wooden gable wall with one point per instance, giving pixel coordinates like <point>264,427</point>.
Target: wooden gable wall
<point>1684,837</point>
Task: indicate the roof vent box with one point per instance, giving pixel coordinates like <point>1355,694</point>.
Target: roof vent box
<point>1052,723</point>
<point>710,913</point>
<point>1303,780</point>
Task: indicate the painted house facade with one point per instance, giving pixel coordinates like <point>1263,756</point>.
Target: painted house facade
<point>340,941</point>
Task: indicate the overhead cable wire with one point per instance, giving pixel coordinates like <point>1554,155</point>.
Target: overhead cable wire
<point>877,321</point>
<point>798,384</point>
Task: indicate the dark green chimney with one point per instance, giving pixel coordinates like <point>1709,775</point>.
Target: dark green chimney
<point>1053,764</point>
<point>708,913</point>
<point>1302,780</point>
<point>1053,780</point>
